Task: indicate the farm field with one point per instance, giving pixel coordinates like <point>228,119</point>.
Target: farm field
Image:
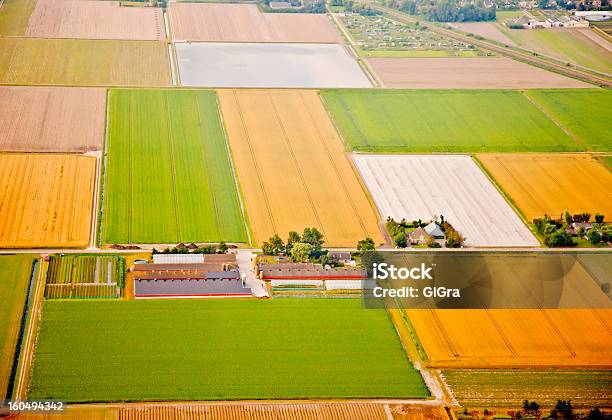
<point>291,348</point>
<point>268,65</point>
<point>564,44</point>
<point>442,121</point>
<point>95,20</point>
<point>379,36</point>
<point>285,148</point>
<point>514,338</point>
<point>14,16</point>
<point>246,23</point>
<point>577,111</point>
<point>15,274</point>
<point>552,184</point>
<point>79,62</point>
<point>51,119</point>
<point>46,200</point>
<point>509,388</point>
<point>169,176</point>
<point>416,187</point>
<point>85,276</point>
<point>488,30</point>
<point>466,73</point>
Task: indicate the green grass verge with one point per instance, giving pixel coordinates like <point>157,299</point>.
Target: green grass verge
<point>15,16</point>
<point>416,53</point>
<point>169,177</point>
<point>584,112</point>
<point>510,387</point>
<point>444,121</point>
<point>218,350</point>
<point>15,271</point>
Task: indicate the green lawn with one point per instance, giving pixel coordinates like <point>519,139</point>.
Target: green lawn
<point>218,350</point>
<point>169,177</point>
<point>509,388</point>
<point>15,274</point>
<point>584,112</point>
<point>443,121</point>
<point>566,45</point>
<point>15,15</point>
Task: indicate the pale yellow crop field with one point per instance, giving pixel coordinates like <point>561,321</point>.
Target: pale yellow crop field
<point>46,200</point>
<point>552,183</point>
<point>292,167</point>
<point>515,338</point>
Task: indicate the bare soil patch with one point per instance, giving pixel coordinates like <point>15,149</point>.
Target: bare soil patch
<point>489,30</point>
<point>466,73</point>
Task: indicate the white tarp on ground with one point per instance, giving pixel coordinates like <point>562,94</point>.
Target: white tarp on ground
<point>422,186</point>
<point>178,258</point>
<point>297,283</point>
<point>349,284</point>
<point>269,65</point>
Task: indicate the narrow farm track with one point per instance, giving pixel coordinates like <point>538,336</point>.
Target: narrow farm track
<point>512,53</point>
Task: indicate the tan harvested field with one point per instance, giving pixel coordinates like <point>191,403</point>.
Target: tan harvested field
<point>51,119</point>
<point>95,20</point>
<point>551,184</point>
<point>466,73</point>
<point>489,30</point>
<point>246,23</point>
<point>515,338</point>
<point>46,200</point>
<point>81,62</point>
<point>292,167</point>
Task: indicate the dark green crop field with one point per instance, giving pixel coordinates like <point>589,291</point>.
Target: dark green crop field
<point>219,350</point>
<point>15,271</point>
<point>168,174</point>
<point>424,121</point>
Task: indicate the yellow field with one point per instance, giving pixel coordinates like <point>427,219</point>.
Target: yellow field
<point>515,338</point>
<point>552,184</point>
<point>45,200</point>
<point>292,167</point>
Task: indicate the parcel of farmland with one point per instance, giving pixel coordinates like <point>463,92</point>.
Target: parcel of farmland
<point>292,168</point>
<point>169,176</point>
<point>46,200</point>
<point>40,119</point>
<point>514,337</point>
<point>95,20</point>
<point>443,121</point>
<point>271,65</point>
<point>246,23</point>
<point>416,187</point>
<point>15,271</point>
<point>14,16</point>
<point>219,349</point>
<point>466,73</point>
<point>580,112</point>
<point>81,62</point>
<point>551,184</point>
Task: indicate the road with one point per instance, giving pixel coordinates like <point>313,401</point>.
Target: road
<point>245,265</point>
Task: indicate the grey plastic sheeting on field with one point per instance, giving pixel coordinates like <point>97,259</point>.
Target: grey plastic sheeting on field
<point>268,66</point>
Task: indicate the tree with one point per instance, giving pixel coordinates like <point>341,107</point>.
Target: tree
<point>293,238</point>
<point>366,244</point>
<point>599,218</point>
<point>399,240</point>
<point>369,258</point>
<point>594,236</point>
<point>300,252</point>
<point>222,248</point>
<point>565,408</point>
<point>313,237</point>
<point>558,238</point>
<point>409,6</point>
<point>568,218</point>
<point>596,414</point>
<point>274,245</point>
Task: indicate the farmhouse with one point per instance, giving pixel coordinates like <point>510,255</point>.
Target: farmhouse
<point>308,271</point>
<point>419,236</point>
<point>218,277</point>
<point>342,257</point>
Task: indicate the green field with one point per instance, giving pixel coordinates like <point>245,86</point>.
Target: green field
<point>218,350</point>
<point>85,276</point>
<point>443,121</point>
<point>14,16</point>
<point>508,388</point>
<point>584,112</point>
<point>169,177</point>
<point>416,53</point>
<point>566,45</point>
<point>80,62</point>
<point>14,279</point>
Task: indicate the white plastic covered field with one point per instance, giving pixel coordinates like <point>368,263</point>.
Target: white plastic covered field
<point>419,187</point>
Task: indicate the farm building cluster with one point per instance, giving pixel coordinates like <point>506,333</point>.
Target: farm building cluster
<point>552,22</point>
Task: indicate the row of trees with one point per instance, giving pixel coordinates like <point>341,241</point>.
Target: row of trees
<point>221,248</point>
<point>564,409</point>
<point>446,10</point>
<point>557,232</point>
<point>299,248</point>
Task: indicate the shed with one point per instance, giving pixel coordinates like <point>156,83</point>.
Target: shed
<point>434,230</point>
